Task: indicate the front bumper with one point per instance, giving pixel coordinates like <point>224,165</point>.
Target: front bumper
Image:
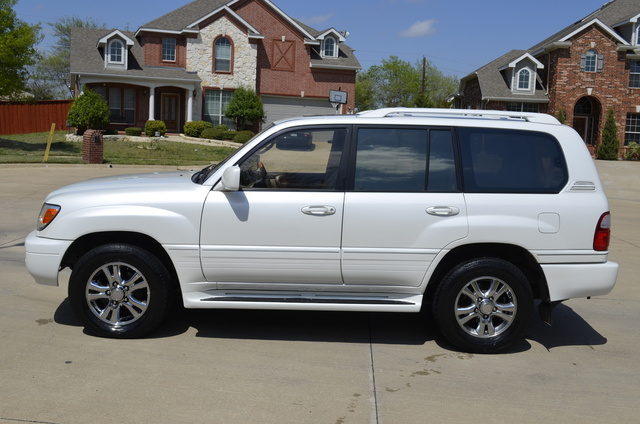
<point>43,258</point>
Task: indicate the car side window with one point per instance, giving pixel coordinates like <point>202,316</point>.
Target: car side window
<point>391,159</point>
<point>442,168</point>
<point>509,161</point>
<point>301,159</point>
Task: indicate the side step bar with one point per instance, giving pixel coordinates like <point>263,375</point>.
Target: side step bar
<point>303,301</point>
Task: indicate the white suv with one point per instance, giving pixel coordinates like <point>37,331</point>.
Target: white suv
<point>476,213</point>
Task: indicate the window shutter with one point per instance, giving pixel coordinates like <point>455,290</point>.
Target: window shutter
<point>583,62</point>
<point>600,64</point>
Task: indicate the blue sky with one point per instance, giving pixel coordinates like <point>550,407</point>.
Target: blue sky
<point>457,36</point>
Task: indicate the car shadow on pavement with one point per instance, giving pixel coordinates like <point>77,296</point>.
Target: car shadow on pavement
<point>569,328</point>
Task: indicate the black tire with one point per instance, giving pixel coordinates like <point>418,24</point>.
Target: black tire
<point>119,291</point>
<point>483,305</point>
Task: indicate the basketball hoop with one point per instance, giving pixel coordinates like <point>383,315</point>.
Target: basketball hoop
<point>337,99</point>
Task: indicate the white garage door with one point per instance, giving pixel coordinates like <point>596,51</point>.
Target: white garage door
<point>278,108</point>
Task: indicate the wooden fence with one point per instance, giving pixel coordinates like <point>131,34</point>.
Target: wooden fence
<point>25,118</point>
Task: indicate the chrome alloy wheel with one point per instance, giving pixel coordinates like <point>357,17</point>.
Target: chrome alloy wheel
<point>117,294</point>
<point>485,307</point>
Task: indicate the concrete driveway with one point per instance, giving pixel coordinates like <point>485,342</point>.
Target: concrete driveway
<point>297,367</point>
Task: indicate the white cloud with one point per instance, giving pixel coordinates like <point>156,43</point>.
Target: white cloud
<point>420,29</point>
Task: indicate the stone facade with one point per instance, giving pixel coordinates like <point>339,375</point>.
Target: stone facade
<point>244,56</point>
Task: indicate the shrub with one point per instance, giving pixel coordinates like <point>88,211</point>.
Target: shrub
<point>195,128</point>
<point>608,149</point>
<point>89,111</point>
<point>110,131</point>
<point>222,127</point>
<point>245,107</point>
<point>151,127</point>
<point>633,151</point>
<point>243,136</point>
<point>212,134</point>
<point>133,131</point>
<point>229,135</point>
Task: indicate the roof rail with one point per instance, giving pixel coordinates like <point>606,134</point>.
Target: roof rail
<point>540,118</point>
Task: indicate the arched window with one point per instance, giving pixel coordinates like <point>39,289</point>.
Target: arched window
<point>329,47</point>
<point>222,55</point>
<point>115,52</point>
<point>524,79</point>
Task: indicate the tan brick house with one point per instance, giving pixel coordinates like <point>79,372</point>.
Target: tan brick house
<point>583,70</point>
<point>185,65</point>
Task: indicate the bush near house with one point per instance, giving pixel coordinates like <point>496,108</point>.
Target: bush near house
<point>133,131</point>
<point>88,111</point>
<point>608,149</point>
<point>151,127</point>
<point>243,136</point>
<point>633,151</point>
<point>195,128</point>
<point>219,133</point>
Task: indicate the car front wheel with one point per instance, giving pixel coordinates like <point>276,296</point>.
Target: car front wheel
<point>483,305</point>
<point>119,291</point>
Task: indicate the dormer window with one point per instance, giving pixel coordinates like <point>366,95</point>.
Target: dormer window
<point>116,52</point>
<point>329,47</point>
<point>524,79</point>
<point>168,49</point>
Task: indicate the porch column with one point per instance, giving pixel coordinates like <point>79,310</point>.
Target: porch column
<point>152,103</point>
<point>189,97</point>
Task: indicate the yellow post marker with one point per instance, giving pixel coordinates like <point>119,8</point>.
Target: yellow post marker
<point>46,152</point>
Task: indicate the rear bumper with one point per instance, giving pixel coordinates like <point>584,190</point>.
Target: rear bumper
<point>566,281</point>
<point>43,258</point>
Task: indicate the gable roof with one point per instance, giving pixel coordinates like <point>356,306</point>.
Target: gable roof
<point>493,85</point>
<point>86,59</point>
<point>610,15</point>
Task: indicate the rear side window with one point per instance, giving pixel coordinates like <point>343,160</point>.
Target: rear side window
<point>509,161</point>
<point>405,160</point>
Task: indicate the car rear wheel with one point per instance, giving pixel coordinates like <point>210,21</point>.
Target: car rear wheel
<point>483,305</point>
<point>119,291</point>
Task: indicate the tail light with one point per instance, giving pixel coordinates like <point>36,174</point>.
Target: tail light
<point>603,233</point>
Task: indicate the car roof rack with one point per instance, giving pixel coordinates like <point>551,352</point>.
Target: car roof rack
<point>540,118</point>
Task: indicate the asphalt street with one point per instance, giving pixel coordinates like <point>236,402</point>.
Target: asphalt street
<point>309,367</point>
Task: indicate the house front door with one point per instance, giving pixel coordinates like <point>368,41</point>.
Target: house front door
<point>171,111</point>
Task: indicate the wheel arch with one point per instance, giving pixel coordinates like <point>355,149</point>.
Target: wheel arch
<point>514,254</point>
<point>89,241</point>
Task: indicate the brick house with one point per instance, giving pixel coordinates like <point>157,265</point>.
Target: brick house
<point>185,65</point>
<point>583,71</point>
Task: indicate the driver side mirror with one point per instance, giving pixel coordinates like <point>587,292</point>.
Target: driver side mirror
<point>230,179</point>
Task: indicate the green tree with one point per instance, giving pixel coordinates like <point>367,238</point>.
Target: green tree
<point>398,83</point>
<point>245,107</point>
<point>608,149</point>
<point>88,111</point>
<point>17,50</point>
<point>51,75</point>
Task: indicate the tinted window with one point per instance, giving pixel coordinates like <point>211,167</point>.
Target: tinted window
<point>391,159</point>
<point>302,159</point>
<point>442,170</point>
<point>507,161</point>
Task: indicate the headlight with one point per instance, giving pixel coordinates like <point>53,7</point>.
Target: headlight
<point>47,214</point>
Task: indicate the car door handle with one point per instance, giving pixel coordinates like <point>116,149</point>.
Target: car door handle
<point>319,210</point>
<point>443,210</point>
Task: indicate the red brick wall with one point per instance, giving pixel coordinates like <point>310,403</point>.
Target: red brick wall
<point>152,49</point>
<point>610,88</point>
<point>301,77</point>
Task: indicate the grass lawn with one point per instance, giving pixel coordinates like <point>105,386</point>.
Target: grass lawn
<point>30,148</point>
